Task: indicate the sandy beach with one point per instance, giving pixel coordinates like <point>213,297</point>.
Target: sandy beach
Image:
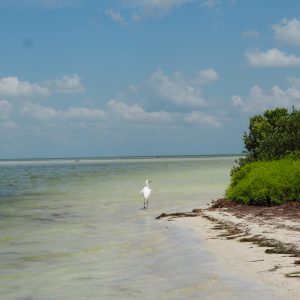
<point>260,244</point>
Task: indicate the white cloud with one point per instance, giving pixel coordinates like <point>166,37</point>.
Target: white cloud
<point>161,90</point>
<point>13,87</point>
<point>116,16</point>
<point>176,89</point>
<point>250,34</point>
<point>135,113</point>
<point>161,99</point>
<point>39,112</point>
<point>117,112</point>
<point>206,76</point>
<point>144,9</point>
<point>82,113</point>
<point>198,117</point>
<point>288,31</point>
<point>68,84</point>
<point>5,109</point>
<point>271,58</point>
<point>44,113</point>
<point>237,101</point>
<point>259,100</point>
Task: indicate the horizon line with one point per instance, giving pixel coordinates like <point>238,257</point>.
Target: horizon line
<point>119,156</point>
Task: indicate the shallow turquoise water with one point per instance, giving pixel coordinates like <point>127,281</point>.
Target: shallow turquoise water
<point>77,230</point>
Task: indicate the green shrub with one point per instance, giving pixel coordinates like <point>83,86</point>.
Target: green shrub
<point>266,183</point>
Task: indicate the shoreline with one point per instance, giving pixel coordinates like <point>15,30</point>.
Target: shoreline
<point>260,243</point>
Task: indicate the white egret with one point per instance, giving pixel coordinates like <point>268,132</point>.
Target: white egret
<point>146,191</point>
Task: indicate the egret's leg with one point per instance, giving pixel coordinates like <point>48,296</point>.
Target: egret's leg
<point>147,203</point>
<point>144,204</point>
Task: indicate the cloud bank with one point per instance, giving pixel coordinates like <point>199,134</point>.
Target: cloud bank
<point>12,86</point>
<point>288,31</point>
<point>176,89</point>
<point>138,10</point>
<point>271,58</point>
<point>178,101</point>
<point>259,99</point>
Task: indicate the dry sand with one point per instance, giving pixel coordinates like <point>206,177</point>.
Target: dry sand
<point>223,228</point>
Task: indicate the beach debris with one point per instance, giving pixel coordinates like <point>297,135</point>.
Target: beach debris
<point>276,267</point>
<point>220,203</point>
<point>197,210</point>
<point>281,248</point>
<point>194,213</point>
<point>289,210</point>
<point>274,246</point>
<point>232,231</point>
<point>256,260</point>
<point>293,274</point>
<point>297,262</point>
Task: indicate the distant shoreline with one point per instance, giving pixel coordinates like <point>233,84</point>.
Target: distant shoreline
<point>120,157</point>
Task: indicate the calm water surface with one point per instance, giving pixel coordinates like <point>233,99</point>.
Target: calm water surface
<point>76,230</point>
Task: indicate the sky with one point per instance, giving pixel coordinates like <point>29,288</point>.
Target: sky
<point>90,78</point>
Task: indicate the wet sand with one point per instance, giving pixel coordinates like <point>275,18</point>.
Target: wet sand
<point>257,243</point>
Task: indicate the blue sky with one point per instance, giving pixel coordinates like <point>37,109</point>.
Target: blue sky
<point>142,77</point>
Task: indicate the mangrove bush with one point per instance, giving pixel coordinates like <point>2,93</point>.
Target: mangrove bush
<point>270,171</point>
<point>266,182</point>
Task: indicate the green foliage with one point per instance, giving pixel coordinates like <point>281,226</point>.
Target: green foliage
<point>272,135</point>
<point>295,155</point>
<point>266,183</point>
<point>270,171</point>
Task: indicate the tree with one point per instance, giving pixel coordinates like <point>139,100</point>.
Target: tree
<point>271,136</point>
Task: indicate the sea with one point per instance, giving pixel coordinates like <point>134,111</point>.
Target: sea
<point>76,229</point>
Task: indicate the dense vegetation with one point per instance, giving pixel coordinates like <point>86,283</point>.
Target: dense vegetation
<point>270,171</point>
<point>266,182</point>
